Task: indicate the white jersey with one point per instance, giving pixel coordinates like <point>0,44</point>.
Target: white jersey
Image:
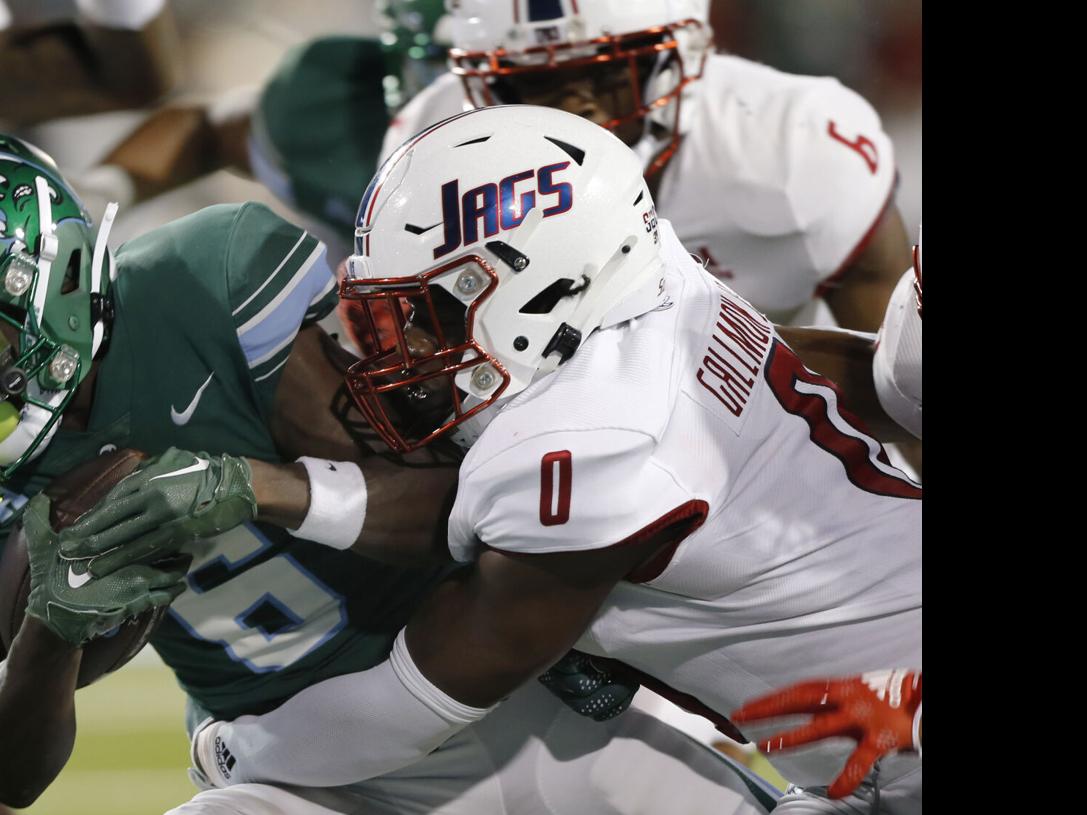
<point>778,182</point>
<point>896,366</point>
<point>776,185</point>
<point>798,547</point>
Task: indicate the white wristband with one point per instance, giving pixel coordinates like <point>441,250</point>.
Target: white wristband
<point>337,503</point>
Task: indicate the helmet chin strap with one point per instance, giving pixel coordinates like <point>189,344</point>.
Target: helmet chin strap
<point>468,432</point>
<point>649,145</point>
<point>101,247</point>
<point>587,315</point>
<point>48,247</point>
<point>32,421</point>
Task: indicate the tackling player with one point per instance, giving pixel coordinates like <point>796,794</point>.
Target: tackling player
<point>653,474</point>
<point>199,335</point>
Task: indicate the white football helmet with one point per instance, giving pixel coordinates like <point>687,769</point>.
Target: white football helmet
<point>664,44</point>
<point>487,248</point>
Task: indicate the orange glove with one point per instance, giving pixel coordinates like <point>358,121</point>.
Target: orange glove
<point>880,710</point>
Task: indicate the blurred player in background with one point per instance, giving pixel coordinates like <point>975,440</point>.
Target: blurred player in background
<point>74,57</point>
<point>202,337</point>
<point>311,133</point>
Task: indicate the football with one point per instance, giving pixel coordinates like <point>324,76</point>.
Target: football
<point>71,495</point>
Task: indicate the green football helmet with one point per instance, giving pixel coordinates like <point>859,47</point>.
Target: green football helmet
<point>414,45</point>
<point>54,279</point>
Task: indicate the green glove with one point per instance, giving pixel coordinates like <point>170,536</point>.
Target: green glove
<point>172,499</point>
<point>75,606</point>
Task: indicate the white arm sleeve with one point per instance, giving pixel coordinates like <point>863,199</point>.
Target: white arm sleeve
<point>896,367</point>
<point>338,731</point>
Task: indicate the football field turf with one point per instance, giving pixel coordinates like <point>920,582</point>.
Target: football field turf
<point>130,752</point>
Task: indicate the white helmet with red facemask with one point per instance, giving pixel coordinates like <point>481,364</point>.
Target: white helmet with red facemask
<point>662,45</point>
<point>486,249</point>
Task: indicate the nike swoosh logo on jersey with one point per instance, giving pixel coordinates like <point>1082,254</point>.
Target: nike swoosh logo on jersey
<point>77,580</point>
<point>201,464</point>
<point>181,418</point>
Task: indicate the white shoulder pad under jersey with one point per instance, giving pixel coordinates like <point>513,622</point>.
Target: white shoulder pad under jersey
<point>779,181</point>
<point>442,98</point>
<point>567,465</point>
<point>896,367</point>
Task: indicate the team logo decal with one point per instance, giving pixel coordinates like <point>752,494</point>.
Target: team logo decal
<point>499,206</point>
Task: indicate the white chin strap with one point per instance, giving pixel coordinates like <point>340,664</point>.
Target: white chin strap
<point>32,421</point>
<point>101,246</point>
<point>649,146</point>
<point>468,432</point>
<point>48,247</point>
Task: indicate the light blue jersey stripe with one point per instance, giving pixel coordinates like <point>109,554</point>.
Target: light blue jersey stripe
<point>272,276</point>
<point>276,325</point>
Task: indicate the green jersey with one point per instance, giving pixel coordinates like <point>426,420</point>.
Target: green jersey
<point>207,309</point>
<point>317,131</point>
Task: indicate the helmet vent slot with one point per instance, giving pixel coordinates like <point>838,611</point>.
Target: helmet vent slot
<point>546,300</point>
<point>71,273</point>
<point>480,140</point>
<point>419,230</point>
<point>638,200</point>
<point>576,153</point>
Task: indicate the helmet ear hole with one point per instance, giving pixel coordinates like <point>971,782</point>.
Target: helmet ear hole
<point>71,273</point>
<point>546,300</point>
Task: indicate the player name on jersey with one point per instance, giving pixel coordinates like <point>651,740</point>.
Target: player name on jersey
<point>735,354</point>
